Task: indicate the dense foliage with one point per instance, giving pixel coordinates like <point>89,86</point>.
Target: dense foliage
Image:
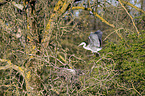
<point>129,59</point>
<point>39,52</point>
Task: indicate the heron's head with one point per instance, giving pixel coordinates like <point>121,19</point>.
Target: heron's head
<point>83,43</point>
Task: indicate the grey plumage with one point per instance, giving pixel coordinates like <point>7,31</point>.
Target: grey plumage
<point>95,40</point>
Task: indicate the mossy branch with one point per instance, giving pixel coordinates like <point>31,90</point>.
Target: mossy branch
<point>59,9</point>
<point>133,6</point>
<point>129,16</point>
<point>26,75</point>
<point>89,9</point>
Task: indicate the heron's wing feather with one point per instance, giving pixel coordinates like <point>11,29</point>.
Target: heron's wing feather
<point>99,34</point>
<point>94,40</point>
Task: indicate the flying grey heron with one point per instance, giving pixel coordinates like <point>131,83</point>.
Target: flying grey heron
<point>95,40</point>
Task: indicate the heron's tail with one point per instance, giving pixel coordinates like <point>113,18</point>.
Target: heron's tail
<point>98,49</point>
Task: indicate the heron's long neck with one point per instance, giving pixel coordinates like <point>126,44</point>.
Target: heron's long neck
<point>84,45</point>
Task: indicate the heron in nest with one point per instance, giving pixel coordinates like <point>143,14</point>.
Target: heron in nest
<point>95,40</point>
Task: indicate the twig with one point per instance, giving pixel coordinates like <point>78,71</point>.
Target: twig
<point>114,32</point>
<point>135,89</point>
<point>20,70</point>
<point>89,9</point>
<point>133,6</point>
<point>129,16</point>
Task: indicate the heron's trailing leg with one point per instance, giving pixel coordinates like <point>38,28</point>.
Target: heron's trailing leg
<point>97,54</point>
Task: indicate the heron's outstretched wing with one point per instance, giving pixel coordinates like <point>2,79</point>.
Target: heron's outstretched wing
<point>95,39</point>
<point>99,34</point>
